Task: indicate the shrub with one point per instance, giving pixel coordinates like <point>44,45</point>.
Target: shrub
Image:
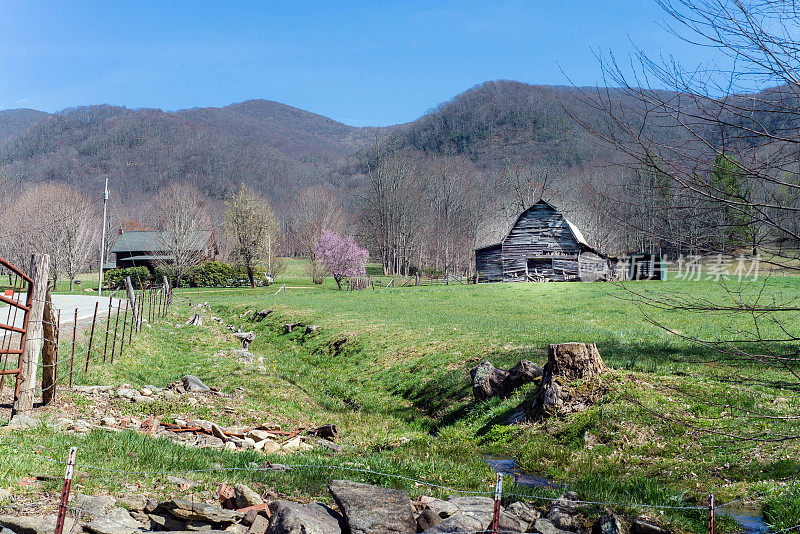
<point>209,274</point>
<point>115,278</point>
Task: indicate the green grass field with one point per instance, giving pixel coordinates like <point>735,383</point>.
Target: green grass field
<point>390,368</point>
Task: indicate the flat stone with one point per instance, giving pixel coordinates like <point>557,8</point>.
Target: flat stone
<point>644,526</point>
<point>293,518</point>
<point>127,393</point>
<point>195,511</point>
<point>21,421</point>
<point>474,515</point>
<point>245,496</point>
<point>260,435</point>
<point>543,526</point>
<point>524,511</point>
<point>36,524</point>
<point>371,509</point>
<point>133,503</point>
<point>328,445</point>
<point>94,506</point>
<point>118,521</point>
<point>192,383</point>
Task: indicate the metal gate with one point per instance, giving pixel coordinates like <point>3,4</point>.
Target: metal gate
<point>14,330</point>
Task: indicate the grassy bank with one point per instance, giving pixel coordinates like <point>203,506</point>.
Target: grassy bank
<point>390,369</point>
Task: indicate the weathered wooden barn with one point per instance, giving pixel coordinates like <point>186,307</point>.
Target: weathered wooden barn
<point>542,245</point>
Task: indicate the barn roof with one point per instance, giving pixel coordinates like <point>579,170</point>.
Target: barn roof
<point>493,232</point>
<point>136,241</point>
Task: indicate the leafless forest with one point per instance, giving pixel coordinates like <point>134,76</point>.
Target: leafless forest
<point>420,196</point>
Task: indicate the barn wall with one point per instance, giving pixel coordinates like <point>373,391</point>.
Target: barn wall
<point>593,267</point>
<point>489,264</point>
<point>540,231</point>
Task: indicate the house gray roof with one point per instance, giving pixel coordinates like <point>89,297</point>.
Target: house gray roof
<point>134,241</point>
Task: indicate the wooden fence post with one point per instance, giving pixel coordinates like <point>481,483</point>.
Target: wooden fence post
<point>40,267</point>
<point>49,333</point>
<point>136,313</point>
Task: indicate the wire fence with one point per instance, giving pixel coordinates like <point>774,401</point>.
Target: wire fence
<point>308,469</point>
<point>71,347</point>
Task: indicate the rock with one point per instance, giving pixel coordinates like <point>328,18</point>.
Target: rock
<point>562,513</point>
<point>524,511</point>
<point>118,521</point>
<point>93,390</point>
<point>259,525</point>
<point>245,496</point>
<point>5,495</point>
<point>435,511</point>
<point>195,320</point>
<point>292,445</point>
<point>245,337</point>
<point>543,526</point>
<point>371,509</point>
<point>566,364</point>
<point>260,435</point>
<point>21,421</point>
<point>512,524</point>
<point>269,446</point>
<point>474,515</point>
<point>196,511</point>
<point>133,503</point>
<point>127,393</point>
<point>294,518</point>
<point>645,526</point>
<point>230,446</point>
<point>217,431</point>
<point>36,524</point>
<point>194,384</point>
<point>328,445</point>
<point>490,381</point>
<point>108,421</point>
<point>94,506</point>
<point>325,431</point>
<point>162,520</point>
<point>608,524</point>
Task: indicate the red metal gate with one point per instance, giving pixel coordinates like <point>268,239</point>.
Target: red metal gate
<point>14,330</point>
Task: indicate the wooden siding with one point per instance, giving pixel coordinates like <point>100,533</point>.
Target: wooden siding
<point>489,264</point>
<point>540,232</point>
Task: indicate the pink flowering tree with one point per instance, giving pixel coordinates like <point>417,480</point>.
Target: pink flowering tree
<point>341,256</point>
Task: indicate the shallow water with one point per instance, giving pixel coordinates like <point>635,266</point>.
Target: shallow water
<point>750,519</point>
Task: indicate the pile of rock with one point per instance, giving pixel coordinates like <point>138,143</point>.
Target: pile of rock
<point>359,509</point>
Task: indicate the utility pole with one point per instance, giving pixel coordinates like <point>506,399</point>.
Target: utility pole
<point>103,240</point>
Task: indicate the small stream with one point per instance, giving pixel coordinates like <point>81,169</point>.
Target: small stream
<point>749,519</point>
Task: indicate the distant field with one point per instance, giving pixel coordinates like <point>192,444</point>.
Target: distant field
<point>390,368</point>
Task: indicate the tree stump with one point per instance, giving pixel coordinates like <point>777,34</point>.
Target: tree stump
<point>568,363</point>
<point>489,381</point>
<point>245,337</point>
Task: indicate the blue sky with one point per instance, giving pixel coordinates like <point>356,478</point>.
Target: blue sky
<point>359,62</point>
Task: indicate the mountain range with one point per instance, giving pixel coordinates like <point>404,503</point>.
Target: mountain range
<point>277,148</point>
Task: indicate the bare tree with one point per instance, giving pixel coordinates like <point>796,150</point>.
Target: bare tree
<point>712,150</point>
<point>253,229</point>
<point>181,216</point>
<point>313,210</point>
